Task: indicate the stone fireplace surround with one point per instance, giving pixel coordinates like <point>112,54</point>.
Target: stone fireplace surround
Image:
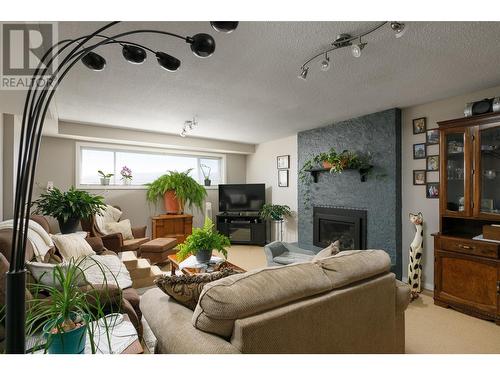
<point>380,196</point>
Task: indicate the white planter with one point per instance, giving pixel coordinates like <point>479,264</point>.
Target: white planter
<point>277,229</point>
<point>127,181</point>
<point>104,181</point>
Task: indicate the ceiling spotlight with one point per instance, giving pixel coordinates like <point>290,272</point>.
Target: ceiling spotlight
<point>224,26</point>
<point>168,62</point>
<point>357,48</point>
<point>93,61</point>
<point>325,63</point>
<point>202,45</point>
<point>133,54</point>
<point>303,73</point>
<point>399,28</point>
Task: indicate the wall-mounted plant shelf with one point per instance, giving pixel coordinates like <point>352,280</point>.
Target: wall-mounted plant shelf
<point>315,172</point>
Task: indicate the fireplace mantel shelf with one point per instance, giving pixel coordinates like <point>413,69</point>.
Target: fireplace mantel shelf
<point>316,171</point>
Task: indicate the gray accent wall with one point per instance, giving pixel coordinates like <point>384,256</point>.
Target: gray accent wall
<point>380,134</point>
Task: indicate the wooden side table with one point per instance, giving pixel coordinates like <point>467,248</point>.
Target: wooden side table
<point>174,265</point>
<point>175,226</point>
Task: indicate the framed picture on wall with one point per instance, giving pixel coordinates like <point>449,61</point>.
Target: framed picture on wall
<point>419,177</point>
<point>432,190</point>
<point>419,151</point>
<point>283,161</point>
<point>419,125</point>
<point>433,163</point>
<point>283,178</point>
<point>432,137</point>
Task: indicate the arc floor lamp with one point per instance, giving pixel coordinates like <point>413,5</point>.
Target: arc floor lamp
<point>53,67</point>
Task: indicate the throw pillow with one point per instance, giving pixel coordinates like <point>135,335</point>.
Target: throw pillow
<point>332,249</point>
<point>43,273</point>
<point>72,246</point>
<point>187,289</point>
<point>122,227</point>
<point>109,215</point>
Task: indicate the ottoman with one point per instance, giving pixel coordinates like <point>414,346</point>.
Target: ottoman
<point>157,250</point>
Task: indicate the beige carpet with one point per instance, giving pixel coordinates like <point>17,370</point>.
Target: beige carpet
<point>429,329</point>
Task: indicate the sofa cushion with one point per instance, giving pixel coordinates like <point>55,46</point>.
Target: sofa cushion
<point>332,249</point>
<point>350,266</point>
<point>124,227</point>
<point>238,296</point>
<point>186,289</point>
<point>72,246</point>
<point>289,257</point>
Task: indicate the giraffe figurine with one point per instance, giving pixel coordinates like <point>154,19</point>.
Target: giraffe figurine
<point>416,252</point>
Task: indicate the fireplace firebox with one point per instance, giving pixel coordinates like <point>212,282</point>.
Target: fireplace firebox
<point>346,225</point>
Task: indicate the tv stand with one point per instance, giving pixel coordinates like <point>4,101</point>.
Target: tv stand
<point>242,227</point>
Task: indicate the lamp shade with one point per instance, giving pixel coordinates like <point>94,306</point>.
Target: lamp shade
<point>224,26</point>
<point>93,61</point>
<point>133,54</point>
<point>168,62</point>
<point>202,45</point>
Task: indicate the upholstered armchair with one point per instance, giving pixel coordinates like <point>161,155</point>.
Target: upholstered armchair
<point>115,241</point>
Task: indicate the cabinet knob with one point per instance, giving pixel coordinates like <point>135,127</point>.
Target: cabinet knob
<point>465,247</point>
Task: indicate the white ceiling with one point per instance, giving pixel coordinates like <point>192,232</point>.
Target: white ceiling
<point>248,91</point>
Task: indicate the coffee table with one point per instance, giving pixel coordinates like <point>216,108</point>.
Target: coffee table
<point>174,265</point>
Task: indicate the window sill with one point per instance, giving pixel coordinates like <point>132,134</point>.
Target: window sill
<point>127,187</point>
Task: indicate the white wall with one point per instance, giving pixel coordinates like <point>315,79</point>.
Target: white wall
<point>262,168</point>
<point>1,167</point>
<point>413,197</point>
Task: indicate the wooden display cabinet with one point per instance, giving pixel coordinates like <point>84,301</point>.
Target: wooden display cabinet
<point>467,270</point>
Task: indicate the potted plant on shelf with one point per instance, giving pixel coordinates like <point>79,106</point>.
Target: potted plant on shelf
<point>276,214</point>
<point>202,242</point>
<point>69,207</point>
<point>206,175</point>
<point>177,189</point>
<point>105,177</point>
<point>59,317</point>
<point>126,174</point>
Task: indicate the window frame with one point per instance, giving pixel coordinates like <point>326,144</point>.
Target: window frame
<point>149,150</point>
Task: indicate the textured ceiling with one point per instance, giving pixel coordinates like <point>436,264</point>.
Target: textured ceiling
<point>248,90</point>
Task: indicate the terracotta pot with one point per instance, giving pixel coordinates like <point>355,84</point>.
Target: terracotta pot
<point>172,204</point>
<point>327,164</point>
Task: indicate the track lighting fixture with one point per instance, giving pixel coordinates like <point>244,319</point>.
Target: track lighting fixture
<point>357,48</point>
<point>325,63</point>
<point>224,26</point>
<point>189,126</point>
<point>303,73</point>
<point>168,62</point>
<point>399,28</point>
<point>346,40</point>
<point>202,45</point>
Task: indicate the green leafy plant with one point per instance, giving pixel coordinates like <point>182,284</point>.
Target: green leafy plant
<point>205,238</point>
<point>275,212</point>
<point>65,305</point>
<point>73,204</point>
<point>105,175</point>
<point>187,190</point>
<point>206,175</point>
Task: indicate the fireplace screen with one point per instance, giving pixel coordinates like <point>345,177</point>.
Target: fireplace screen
<point>346,225</point>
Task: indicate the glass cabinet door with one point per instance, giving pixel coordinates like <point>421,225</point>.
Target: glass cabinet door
<point>488,173</point>
<point>456,174</point>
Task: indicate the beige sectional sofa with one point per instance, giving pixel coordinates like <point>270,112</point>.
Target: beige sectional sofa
<point>347,303</point>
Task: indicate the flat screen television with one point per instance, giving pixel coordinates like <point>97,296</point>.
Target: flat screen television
<point>241,197</point>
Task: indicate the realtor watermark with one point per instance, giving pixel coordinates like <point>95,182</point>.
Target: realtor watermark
<point>24,46</point>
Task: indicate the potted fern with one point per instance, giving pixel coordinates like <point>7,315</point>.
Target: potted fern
<point>202,242</point>
<point>177,189</point>
<point>69,207</point>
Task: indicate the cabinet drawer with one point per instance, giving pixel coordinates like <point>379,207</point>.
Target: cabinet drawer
<point>459,245</point>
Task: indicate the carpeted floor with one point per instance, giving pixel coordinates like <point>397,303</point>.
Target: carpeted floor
<point>429,329</point>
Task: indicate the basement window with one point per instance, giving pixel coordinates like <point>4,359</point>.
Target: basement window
<point>146,165</point>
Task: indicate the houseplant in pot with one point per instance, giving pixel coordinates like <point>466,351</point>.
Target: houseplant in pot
<point>69,207</point>
<point>177,189</point>
<point>105,177</point>
<point>276,214</point>
<point>206,170</point>
<point>59,316</point>
<point>202,242</point>
<point>126,174</point>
